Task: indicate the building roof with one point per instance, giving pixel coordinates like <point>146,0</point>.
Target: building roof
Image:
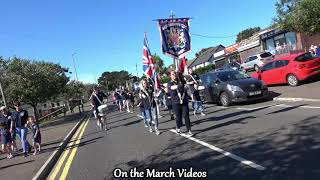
<point>206,56</point>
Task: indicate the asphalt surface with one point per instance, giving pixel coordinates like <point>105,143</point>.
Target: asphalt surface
<point>282,138</point>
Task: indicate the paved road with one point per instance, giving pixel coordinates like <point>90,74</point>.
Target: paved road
<point>266,141</point>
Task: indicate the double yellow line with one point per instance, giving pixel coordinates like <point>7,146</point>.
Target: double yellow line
<point>74,142</point>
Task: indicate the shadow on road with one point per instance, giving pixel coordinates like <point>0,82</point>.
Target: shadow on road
<point>11,165</point>
<point>286,109</point>
<point>287,155</point>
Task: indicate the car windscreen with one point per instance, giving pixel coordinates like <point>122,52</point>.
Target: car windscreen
<point>231,75</point>
<point>266,54</point>
<point>305,57</point>
<point>234,64</point>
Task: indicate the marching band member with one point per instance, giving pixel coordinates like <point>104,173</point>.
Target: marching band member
<point>179,98</point>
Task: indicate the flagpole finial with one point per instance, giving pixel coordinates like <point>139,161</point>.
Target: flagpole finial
<point>172,15</point>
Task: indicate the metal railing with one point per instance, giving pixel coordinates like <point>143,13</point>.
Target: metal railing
<point>53,114</point>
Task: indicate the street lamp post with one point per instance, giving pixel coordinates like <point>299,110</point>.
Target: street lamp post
<point>74,65</point>
<point>75,71</point>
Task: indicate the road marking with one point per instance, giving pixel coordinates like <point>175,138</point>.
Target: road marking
<point>61,161</point>
<point>307,107</point>
<point>260,107</point>
<point>228,154</point>
<point>296,99</point>
<point>72,154</point>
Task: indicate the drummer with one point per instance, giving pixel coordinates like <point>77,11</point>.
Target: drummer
<point>192,79</point>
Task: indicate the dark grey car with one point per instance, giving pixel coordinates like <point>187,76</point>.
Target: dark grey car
<point>228,86</point>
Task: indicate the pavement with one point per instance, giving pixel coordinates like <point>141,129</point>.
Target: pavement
<point>264,140</point>
<point>52,133</point>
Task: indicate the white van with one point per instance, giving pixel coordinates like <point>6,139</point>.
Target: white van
<point>256,61</point>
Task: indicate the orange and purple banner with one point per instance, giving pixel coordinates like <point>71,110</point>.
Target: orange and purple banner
<point>175,37</point>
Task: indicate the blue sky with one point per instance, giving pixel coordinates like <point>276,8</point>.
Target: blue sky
<point>107,35</point>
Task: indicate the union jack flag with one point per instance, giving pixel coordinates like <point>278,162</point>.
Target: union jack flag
<point>149,67</point>
<point>148,63</point>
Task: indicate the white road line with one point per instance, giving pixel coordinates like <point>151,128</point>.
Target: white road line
<point>296,99</point>
<point>307,107</point>
<point>251,109</point>
<point>233,156</point>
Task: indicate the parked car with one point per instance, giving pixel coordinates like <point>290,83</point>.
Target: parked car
<point>230,86</point>
<point>290,69</point>
<point>230,66</point>
<point>256,61</point>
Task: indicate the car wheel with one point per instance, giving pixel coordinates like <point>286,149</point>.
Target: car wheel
<point>224,99</point>
<point>256,68</point>
<point>292,80</point>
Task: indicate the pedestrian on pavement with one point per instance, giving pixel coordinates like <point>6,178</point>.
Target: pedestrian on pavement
<point>5,113</point>
<point>6,139</point>
<point>147,98</point>
<point>197,103</point>
<point>20,118</point>
<point>179,98</point>
<point>96,99</point>
<point>36,135</point>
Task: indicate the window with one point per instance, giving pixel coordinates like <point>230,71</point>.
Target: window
<point>45,105</point>
<point>58,104</point>
<point>266,54</point>
<point>270,46</point>
<point>252,58</point>
<point>281,63</point>
<point>305,57</point>
<point>231,76</point>
<point>208,79</point>
<point>267,67</point>
<point>291,38</point>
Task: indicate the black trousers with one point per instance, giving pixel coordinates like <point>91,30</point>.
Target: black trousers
<point>182,110</point>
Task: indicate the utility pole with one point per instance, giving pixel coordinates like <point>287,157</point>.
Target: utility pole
<point>75,70</point>
<point>2,94</point>
<point>137,70</point>
<point>74,65</point>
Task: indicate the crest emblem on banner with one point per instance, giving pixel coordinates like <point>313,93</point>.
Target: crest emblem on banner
<point>175,36</point>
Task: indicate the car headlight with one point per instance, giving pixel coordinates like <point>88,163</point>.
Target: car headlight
<point>234,88</point>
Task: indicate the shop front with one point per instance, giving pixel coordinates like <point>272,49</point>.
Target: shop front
<point>231,53</point>
<point>219,58</point>
<point>279,41</point>
<point>249,47</point>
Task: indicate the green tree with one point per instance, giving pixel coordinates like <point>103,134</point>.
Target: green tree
<point>298,16</point>
<point>245,34</point>
<point>4,80</point>
<point>205,69</point>
<point>161,69</point>
<point>114,79</point>
<point>73,91</point>
<point>34,82</point>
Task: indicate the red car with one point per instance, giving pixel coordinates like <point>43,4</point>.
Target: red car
<point>291,69</point>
